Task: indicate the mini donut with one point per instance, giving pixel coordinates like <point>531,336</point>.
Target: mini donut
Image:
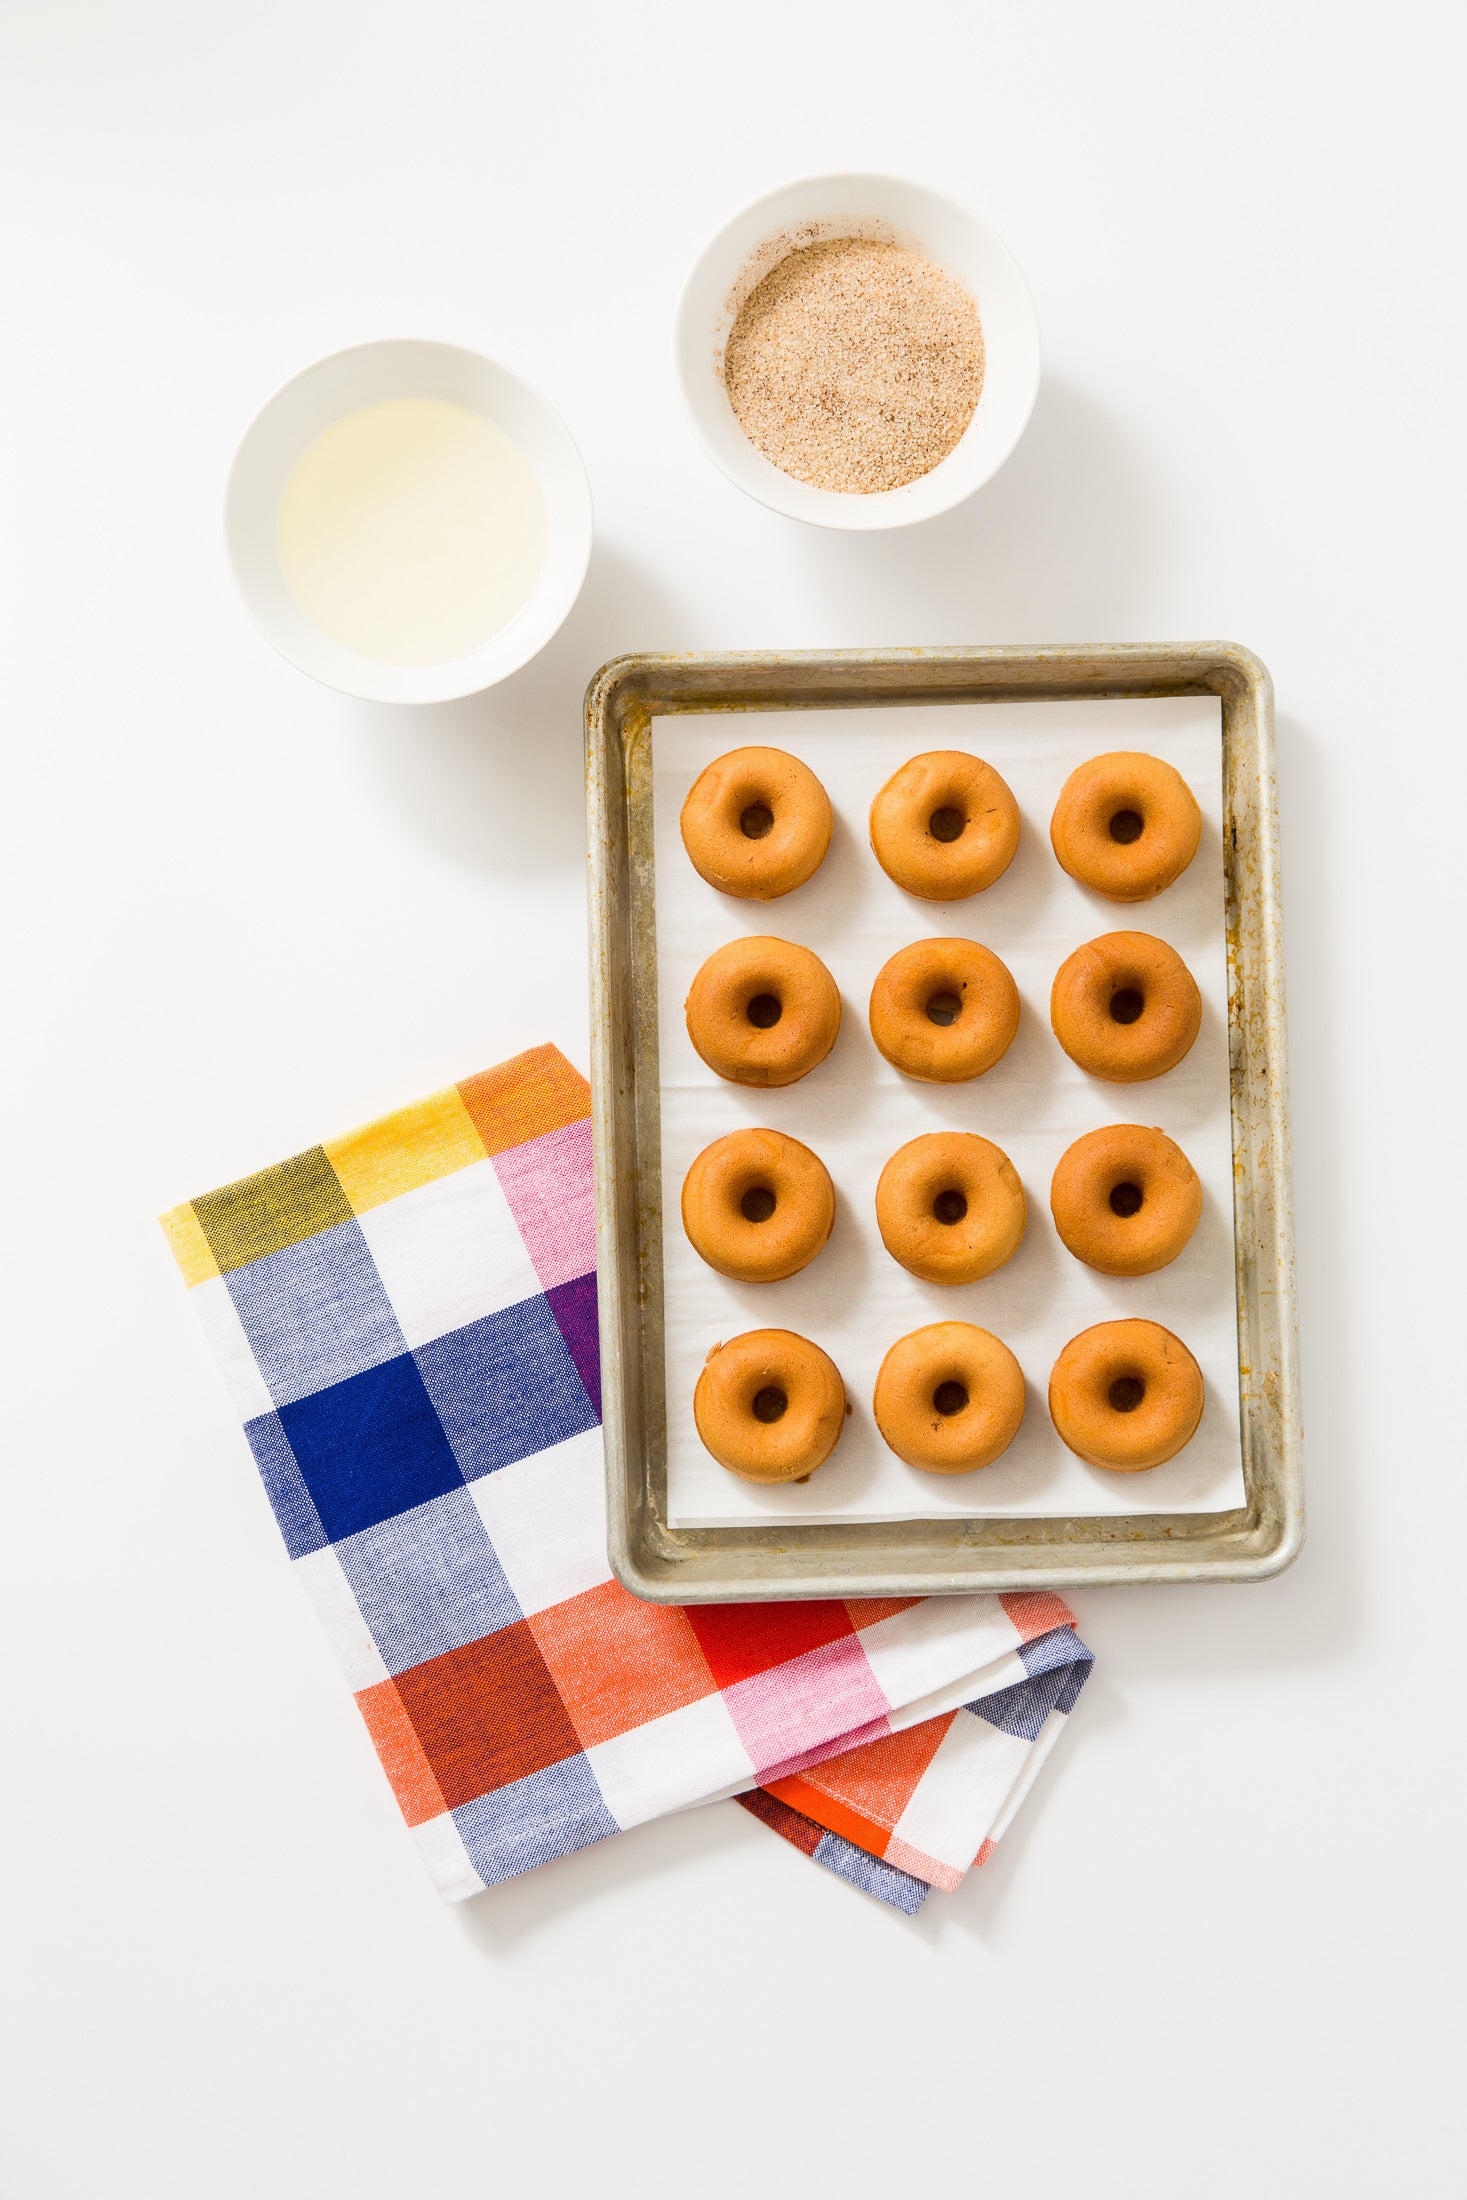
<point>1126,1395</point>
<point>758,1206</point>
<point>944,1010</point>
<point>950,1207</point>
<point>945,826</point>
<point>756,823</point>
<point>770,1406</point>
<point>1125,1199</point>
<point>763,1012</point>
<point>1126,825</point>
<point>949,1398</point>
<point>1125,1007</point>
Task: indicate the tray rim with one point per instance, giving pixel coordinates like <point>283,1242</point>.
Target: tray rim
<point>953,1556</point>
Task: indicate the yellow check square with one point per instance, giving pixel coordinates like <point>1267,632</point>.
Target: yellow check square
<point>399,1152</point>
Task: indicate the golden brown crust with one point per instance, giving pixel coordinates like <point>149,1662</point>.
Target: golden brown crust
<point>741,1421</point>
<point>945,826</point>
<point>1126,825</point>
<point>753,978</point>
<point>1125,1007</point>
<point>756,823</point>
<point>950,1207</point>
<point>758,1206</point>
<point>1125,1199</point>
<point>934,978</point>
<point>1126,1395</point>
<point>949,1398</point>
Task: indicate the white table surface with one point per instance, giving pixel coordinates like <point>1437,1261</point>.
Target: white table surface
<point>1217,1953</point>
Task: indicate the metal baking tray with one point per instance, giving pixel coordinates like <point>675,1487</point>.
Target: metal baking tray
<point>948,1556</point>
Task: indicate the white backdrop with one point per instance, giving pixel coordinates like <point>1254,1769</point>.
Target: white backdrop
<point>1216,1953</point>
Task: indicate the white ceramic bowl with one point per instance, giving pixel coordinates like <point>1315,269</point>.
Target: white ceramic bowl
<point>375,374</point>
<point>905,213</point>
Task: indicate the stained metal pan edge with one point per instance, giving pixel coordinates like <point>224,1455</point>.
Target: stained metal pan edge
<point>926,1557</point>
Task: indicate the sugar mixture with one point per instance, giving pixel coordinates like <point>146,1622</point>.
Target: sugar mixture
<point>855,365</point>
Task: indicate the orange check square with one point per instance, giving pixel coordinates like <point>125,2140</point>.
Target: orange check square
<point>618,1662</point>
<point>395,1738</point>
<point>536,1092</point>
<point>877,1779</point>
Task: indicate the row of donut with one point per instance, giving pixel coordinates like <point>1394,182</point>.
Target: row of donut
<point>759,1206</point>
<point>757,823</point>
<point>770,1406</point>
<point>764,1012</point>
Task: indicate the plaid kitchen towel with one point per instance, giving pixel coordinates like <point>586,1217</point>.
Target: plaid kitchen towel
<point>406,1320</point>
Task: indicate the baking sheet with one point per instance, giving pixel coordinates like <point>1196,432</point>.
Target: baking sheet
<point>855,1110</point>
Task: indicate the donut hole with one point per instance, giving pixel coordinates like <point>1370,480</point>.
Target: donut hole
<point>771,1403</point>
<point>944,1008</point>
<point>757,1204</point>
<point>764,1011</point>
<point>1125,1199</point>
<point>946,823</point>
<point>1126,826</point>
<point>1126,1393</point>
<point>1126,1005</point>
<point>950,1398</point>
<point>756,821</point>
<point>950,1206</point>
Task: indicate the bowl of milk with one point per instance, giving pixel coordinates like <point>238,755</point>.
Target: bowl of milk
<point>408,522</point>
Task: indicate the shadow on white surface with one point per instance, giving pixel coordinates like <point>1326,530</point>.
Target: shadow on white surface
<point>985,1904</point>
<point>496,781</point>
<point>1060,547</point>
<point>500,1921</point>
<point>506,1917</point>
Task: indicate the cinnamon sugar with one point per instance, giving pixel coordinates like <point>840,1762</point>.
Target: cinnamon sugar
<point>855,365</point>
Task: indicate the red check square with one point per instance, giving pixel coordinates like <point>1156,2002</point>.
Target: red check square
<point>740,1640</point>
<point>487,1715</point>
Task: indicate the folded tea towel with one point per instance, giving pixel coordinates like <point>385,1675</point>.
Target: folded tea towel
<point>406,1319</point>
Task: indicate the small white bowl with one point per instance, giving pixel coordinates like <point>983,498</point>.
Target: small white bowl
<point>376,374</point>
<point>902,213</point>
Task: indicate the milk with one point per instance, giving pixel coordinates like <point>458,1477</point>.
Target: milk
<point>411,531</point>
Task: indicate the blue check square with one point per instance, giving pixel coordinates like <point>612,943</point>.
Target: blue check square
<point>428,1581</point>
<point>505,1387</point>
<point>295,1514</point>
<point>548,1814</point>
<point>370,1447</point>
<point>315,1313</point>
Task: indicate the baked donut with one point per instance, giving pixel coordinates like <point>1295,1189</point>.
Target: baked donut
<point>944,826</point>
<point>1125,1007</point>
<point>944,1010</point>
<point>1125,1199</point>
<point>763,1012</point>
<point>756,823</point>
<point>949,1398</point>
<point>1126,1395</point>
<point>1125,825</point>
<point>758,1206</point>
<point>950,1207</point>
<point>770,1406</point>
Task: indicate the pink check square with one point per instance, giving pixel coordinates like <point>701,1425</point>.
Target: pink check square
<point>549,1186</point>
<point>796,1710</point>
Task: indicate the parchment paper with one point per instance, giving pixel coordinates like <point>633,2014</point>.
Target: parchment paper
<point>855,1110</point>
